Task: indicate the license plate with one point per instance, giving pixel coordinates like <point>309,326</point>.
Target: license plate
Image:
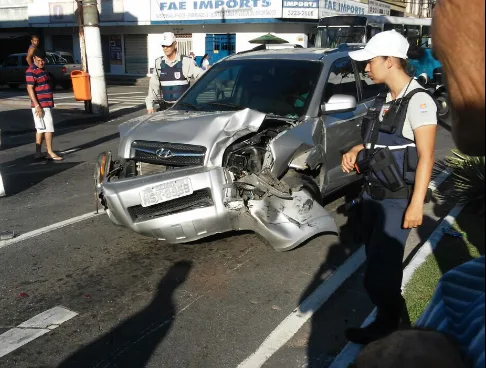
<point>165,192</point>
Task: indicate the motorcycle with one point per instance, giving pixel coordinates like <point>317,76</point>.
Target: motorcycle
<point>428,72</point>
<point>438,89</point>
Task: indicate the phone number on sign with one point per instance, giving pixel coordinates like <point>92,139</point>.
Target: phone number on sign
<point>301,13</point>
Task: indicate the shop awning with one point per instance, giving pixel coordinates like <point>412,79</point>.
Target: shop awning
<point>268,39</point>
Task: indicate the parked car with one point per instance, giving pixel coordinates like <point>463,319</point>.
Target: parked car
<point>254,144</point>
<point>59,66</point>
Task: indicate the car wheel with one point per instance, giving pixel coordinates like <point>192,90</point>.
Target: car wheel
<point>13,85</point>
<point>444,105</point>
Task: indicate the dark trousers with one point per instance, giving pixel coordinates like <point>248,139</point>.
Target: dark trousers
<point>385,241</point>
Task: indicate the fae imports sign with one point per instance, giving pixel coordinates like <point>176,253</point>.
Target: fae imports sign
<point>183,10</point>
<point>329,8</point>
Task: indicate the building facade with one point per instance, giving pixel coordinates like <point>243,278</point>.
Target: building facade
<point>420,8</point>
<point>131,30</point>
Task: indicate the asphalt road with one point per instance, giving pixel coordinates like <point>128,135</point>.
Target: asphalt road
<point>118,96</point>
<point>141,303</point>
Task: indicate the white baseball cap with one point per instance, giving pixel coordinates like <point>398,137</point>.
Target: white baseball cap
<point>168,38</point>
<point>388,43</point>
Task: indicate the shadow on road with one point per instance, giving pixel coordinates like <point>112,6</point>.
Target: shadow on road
<point>353,233</point>
<point>132,343</point>
<point>18,179</point>
<point>449,253</point>
<point>21,121</point>
<point>25,172</point>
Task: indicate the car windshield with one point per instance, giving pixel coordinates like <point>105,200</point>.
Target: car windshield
<point>330,37</point>
<point>273,86</point>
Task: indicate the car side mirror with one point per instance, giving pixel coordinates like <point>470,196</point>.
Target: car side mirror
<point>339,103</point>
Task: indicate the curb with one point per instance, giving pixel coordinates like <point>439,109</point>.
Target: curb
<point>81,120</point>
<point>60,124</point>
<point>296,319</point>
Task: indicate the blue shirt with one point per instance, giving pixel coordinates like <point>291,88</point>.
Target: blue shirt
<point>457,309</point>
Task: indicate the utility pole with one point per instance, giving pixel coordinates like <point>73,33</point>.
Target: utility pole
<point>82,44</point>
<point>94,57</point>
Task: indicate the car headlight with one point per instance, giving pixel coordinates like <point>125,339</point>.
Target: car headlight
<point>102,168</point>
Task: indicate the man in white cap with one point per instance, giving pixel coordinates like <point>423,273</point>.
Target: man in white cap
<point>171,75</point>
<point>396,158</point>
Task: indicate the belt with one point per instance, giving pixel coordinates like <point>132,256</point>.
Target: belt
<point>391,148</point>
<point>378,191</point>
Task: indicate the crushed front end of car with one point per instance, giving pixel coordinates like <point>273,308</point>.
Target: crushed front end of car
<point>184,176</point>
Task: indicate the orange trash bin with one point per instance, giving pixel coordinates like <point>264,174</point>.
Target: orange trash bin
<point>81,85</point>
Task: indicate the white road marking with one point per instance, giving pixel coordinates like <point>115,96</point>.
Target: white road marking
<point>34,328</point>
<point>123,100</point>
<point>64,97</point>
<point>68,151</point>
<point>350,351</point>
<point>304,311</point>
<point>121,107</point>
<point>125,93</point>
<point>44,230</point>
<point>290,325</point>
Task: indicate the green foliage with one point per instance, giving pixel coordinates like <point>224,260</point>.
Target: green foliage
<point>467,179</point>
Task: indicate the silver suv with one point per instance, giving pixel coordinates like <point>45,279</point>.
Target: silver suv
<point>254,144</point>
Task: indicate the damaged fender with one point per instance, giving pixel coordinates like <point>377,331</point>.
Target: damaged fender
<point>285,223</point>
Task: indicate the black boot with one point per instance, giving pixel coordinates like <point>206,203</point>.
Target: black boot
<point>384,324</point>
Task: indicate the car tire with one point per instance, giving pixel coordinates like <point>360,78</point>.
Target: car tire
<point>13,85</point>
<point>444,107</point>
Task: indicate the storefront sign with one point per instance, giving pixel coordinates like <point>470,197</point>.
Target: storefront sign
<point>307,9</point>
<point>166,11</point>
<point>328,8</point>
<point>377,7</point>
<point>115,50</point>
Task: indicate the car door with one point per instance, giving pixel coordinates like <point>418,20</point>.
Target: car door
<point>342,129</point>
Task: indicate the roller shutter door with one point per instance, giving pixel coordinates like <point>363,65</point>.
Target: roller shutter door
<point>136,58</point>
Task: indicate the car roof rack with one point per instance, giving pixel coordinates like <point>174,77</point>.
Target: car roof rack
<point>351,46</point>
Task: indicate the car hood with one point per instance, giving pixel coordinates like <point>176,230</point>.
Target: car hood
<point>213,130</point>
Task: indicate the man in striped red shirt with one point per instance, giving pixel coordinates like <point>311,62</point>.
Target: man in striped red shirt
<point>42,102</point>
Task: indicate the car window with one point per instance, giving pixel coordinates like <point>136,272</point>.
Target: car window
<point>279,86</point>
<point>66,59</point>
<point>341,80</point>
<point>23,61</point>
<point>221,87</point>
<point>369,89</point>
<point>51,59</point>
<point>12,61</point>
